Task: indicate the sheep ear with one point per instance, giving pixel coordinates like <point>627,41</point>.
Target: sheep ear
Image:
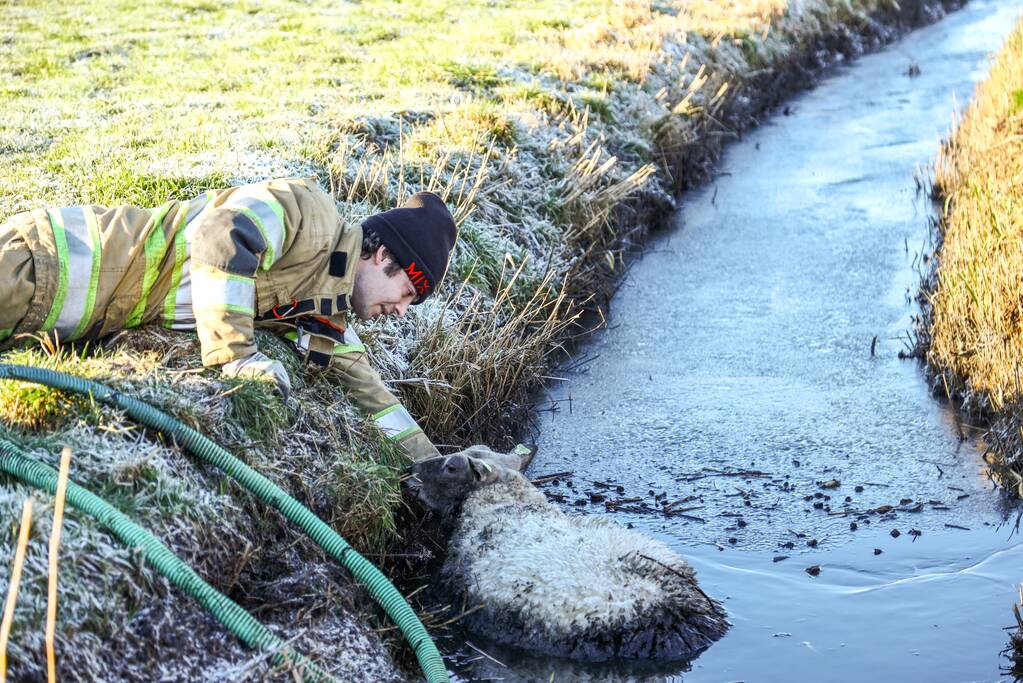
<point>480,468</point>
<point>525,455</point>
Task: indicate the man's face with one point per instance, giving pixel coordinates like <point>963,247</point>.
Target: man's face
<point>376,293</point>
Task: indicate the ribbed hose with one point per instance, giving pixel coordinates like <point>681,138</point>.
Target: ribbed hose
<point>386,595</point>
<point>228,612</point>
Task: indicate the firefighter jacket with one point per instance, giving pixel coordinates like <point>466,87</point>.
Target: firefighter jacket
<point>272,254</point>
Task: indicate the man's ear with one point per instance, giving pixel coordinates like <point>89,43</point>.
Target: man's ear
<point>381,255</point>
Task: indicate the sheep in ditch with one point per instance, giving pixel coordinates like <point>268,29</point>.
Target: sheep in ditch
<point>573,586</point>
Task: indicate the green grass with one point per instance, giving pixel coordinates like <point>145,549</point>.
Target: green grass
<point>537,121</point>
<point>228,91</point>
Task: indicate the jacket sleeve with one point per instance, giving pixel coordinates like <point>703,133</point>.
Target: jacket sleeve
<point>230,244</point>
<point>367,389</point>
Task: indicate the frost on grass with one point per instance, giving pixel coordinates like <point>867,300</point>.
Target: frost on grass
<point>120,619</point>
<point>558,145</point>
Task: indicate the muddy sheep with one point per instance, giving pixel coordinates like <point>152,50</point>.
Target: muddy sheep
<point>573,586</point>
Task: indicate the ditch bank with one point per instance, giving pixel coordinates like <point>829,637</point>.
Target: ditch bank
<point>664,125</point>
<point>969,332</point>
<point>750,404</point>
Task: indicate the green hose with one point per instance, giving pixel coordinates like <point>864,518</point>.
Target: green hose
<point>386,595</point>
<point>228,612</point>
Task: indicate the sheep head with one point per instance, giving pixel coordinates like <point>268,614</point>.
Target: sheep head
<point>443,482</point>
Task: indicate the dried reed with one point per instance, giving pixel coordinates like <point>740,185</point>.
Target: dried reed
<point>51,600</point>
<point>973,332</point>
<point>12,589</point>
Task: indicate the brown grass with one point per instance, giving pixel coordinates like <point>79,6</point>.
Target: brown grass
<point>51,596</point>
<point>13,585</point>
<point>975,339</point>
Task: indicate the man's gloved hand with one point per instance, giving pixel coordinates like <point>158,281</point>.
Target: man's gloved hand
<point>259,366</point>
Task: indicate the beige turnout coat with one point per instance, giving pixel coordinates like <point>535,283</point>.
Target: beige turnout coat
<point>272,254</point>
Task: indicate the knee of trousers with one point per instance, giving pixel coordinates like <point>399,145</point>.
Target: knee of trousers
<point>17,280</point>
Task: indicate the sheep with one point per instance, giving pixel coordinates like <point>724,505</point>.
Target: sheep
<point>580,587</point>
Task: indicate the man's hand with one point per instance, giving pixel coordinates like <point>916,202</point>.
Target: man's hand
<point>259,366</point>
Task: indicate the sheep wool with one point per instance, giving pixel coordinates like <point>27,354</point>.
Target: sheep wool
<point>573,586</point>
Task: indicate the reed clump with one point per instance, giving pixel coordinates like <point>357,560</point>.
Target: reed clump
<point>974,335</point>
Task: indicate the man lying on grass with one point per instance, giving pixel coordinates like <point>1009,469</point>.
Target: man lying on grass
<point>271,255</point>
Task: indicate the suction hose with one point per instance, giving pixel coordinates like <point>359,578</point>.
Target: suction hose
<point>228,612</point>
<point>386,595</point>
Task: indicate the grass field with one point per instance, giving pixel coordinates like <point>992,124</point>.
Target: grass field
<point>557,131</point>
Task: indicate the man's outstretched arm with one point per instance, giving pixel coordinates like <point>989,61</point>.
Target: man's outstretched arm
<point>347,357</point>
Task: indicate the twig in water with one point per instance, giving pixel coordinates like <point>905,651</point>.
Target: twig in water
<point>721,473</point>
<point>1015,527</point>
<point>550,477</point>
<point>692,517</point>
<point>499,663</point>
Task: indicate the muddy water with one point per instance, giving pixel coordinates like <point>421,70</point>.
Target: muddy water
<point>737,376</point>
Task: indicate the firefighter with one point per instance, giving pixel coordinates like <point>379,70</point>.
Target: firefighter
<point>272,255</point>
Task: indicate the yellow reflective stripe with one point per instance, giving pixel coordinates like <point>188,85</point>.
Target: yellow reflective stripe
<point>260,206</point>
<point>219,291</point>
<point>170,302</point>
<point>348,348</point>
<point>155,247</point>
<point>395,421</point>
<point>60,241</point>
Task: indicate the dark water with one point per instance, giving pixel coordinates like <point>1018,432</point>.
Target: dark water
<point>742,341</point>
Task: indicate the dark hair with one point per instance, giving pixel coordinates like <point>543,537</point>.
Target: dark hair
<point>370,243</point>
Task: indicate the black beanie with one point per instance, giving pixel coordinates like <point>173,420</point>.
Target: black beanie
<point>420,235</point>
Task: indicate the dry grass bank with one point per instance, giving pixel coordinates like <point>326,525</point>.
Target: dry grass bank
<point>558,131</point>
<point>975,340</point>
<point>973,334</point>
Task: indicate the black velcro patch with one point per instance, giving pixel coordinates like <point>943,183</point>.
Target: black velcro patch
<point>326,307</point>
<point>338,263</point>
<point>229,241</point>
<point>318,358</point>
<point>342,303</point>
